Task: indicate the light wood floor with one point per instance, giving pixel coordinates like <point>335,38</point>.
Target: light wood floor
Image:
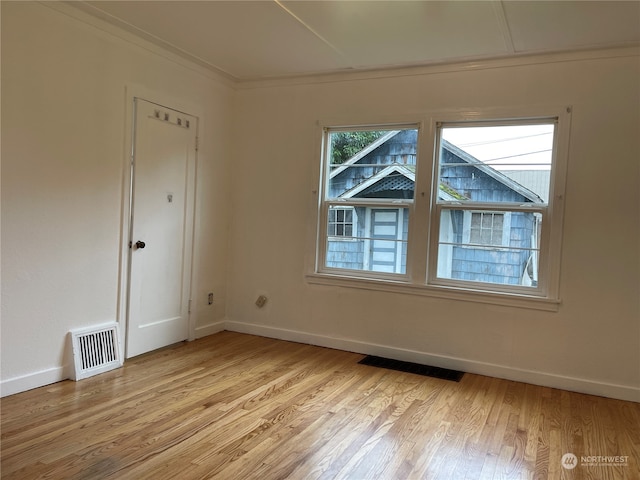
<point>234,406</point>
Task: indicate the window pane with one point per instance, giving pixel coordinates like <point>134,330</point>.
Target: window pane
<point>496,163</point>
<point>377,243</point>
<point>372,164</point>
<point>340,222</point>
<point>486,228</point>
<point>482,254</point>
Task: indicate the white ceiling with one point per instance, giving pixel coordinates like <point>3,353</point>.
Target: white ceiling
<point>250,40</point>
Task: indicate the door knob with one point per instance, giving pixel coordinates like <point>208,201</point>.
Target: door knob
<point>140,244</point>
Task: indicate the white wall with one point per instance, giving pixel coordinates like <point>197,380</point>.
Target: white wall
<point>591,344</point>
<point>63,136</point>
<point>63,116</point>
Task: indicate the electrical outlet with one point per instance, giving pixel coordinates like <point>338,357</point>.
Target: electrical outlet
<point>261,301</point>
<point>210,298</point>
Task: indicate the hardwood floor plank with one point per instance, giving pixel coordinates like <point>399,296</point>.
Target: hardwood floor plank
<point>235,406</point>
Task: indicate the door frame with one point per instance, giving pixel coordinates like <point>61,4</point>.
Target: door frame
<point>133,91</point>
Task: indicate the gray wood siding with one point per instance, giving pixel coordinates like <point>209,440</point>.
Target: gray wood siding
<point>474,184</point>
<point>348,253</point>
<point>495,265</point>
<point>345,254</point>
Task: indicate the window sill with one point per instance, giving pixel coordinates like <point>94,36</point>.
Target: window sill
<point>437,291</point>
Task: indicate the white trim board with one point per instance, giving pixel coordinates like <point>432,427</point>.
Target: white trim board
<point>209,329</point>
<point>458,65</point>
<point>621,392</point>
<point>30,381</point>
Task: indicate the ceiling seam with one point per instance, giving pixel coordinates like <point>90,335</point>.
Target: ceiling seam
<point>308,27</point>
<point>503,23</point>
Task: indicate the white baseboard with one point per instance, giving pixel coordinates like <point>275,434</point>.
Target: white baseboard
<point>580,385</point>
<point>209,329</point>
<point>45,377</point>
<point>33,380</point>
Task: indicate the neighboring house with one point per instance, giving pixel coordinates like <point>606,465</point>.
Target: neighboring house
<point>483,246</point>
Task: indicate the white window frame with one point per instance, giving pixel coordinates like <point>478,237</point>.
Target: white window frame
<point>327,202</point>
<point>421,277</point>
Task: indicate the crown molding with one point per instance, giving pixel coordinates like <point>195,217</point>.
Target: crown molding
<point>117,30</point>
<point>460,65</point>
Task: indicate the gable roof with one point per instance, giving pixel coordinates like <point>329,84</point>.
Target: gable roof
<point>409,171</point>
<point>383,174</point>
<point>492,172</point>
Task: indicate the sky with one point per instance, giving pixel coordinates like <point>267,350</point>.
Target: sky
<point>516,147</point>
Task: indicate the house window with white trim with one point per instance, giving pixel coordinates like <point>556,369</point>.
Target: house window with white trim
<point>480,215</point>
<point>368,189</point>
<point>341,222</point>
<point>497,171</point>
<point>487,228</point>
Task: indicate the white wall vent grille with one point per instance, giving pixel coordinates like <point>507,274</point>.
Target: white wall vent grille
<point>95,350</point>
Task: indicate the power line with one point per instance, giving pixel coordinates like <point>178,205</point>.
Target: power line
<point>516,155</point>
<point>500,140</point>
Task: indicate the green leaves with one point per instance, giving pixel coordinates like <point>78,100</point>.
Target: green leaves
<point>345,145</point>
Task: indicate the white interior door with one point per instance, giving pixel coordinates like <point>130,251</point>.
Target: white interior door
<point>163,183</point>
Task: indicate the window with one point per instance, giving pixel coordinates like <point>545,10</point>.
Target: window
<point>490,229</point>
<point>341,221</point>
<point>480,163</point>
<point>487,228</point>
<point>368,187</point>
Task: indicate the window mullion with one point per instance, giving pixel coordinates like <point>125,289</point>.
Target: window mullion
<point>420,213</point>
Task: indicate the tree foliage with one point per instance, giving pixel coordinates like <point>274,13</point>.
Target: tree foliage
<point>345,145</point>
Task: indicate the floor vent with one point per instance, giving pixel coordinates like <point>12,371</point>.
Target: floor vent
<point>408,367</point>
<point>95,350</point>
